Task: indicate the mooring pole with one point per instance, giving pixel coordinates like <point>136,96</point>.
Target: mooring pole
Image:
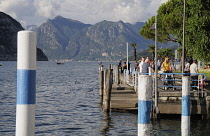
<point>26,83</point>
<point>101,80</point>
<point>105,71</point>
<point>107,90</point>
<point>118,75</point>
<point>185,106</point>
<point>144,104</point>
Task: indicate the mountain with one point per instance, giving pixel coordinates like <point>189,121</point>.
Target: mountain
<point>9,28</point>
<point>54,36</point>
<point>62,38</point>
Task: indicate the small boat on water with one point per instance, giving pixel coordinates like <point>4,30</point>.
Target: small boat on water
<point>1,64</point>
<point>59,63</point>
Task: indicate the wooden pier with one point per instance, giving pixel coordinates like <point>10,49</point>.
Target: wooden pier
<point>125,99</point>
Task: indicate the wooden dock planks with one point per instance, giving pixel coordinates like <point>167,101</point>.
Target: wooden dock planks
<point>123,98</point>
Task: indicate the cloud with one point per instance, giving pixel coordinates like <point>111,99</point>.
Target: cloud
<point>18,9</point>
<point>88,11</point>
<point>46,8</point>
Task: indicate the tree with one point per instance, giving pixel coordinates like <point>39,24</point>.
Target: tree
<point>198,29</point>
<point>134,50</point>
<point>162,53</point>
<point>170,26</point>
<point>152,50</point>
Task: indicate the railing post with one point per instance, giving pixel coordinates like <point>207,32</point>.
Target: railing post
<point>133,79</point>
<point>127,76</point>
<point>150,71</point>
<point>201,82</point>
<point>185,106</point>
<point>136,80</point>
<point>26,83</point>
<point>144,104</point>
<point>124,72</point>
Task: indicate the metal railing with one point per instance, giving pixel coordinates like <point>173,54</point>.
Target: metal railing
<point>162,77</point>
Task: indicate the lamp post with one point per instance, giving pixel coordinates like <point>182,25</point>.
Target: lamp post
<point>127,71</point>
<point>183,40</point>
<point>156,83</point>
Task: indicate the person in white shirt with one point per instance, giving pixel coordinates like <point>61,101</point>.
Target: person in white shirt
<point>187,67</point>
<point>141,64</point>
<point>194,69</point>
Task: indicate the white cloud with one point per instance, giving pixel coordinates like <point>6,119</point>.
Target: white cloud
<point>87,11</point>
<point>46,8</point>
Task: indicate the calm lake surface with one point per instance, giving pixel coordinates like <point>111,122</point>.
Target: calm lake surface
<point>68,104</point>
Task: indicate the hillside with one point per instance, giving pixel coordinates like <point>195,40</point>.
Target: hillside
<point>62,38</point>
<point>9,28</point>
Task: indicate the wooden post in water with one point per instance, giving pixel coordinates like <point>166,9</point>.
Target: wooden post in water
<point>185,106</point>
<point>101,80</point>
<point>117,75</point>
<point>105,71</point>
<point>107,90</point>
<point>110,66</point>
<point>144,104</point>
<point>114,73</point>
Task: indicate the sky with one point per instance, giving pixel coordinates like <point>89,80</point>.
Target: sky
<point>36,12</point>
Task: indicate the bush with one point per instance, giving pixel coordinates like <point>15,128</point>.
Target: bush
<point>205,71</point>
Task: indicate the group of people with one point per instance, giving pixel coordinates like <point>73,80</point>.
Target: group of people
<point>123,66</point>
<point>192,67</point>
<point>144,64</point>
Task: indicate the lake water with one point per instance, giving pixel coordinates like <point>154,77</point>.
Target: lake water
<point>68,104</point>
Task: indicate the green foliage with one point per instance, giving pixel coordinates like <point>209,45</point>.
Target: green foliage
<point>134,50</point>
<point>162,53</point>
<point>170,26</point>
<point>152,50</point>
<point>198,29</point>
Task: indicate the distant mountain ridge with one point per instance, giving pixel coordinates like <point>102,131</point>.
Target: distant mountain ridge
<point>9,28</point>
<point>62,38</point>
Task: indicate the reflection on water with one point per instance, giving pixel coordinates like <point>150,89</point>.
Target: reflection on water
<point>68,104</point>
<point>107,124</point>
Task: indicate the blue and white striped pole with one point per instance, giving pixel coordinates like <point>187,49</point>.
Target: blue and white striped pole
<point>185,127</point>
<point>144,104</point>
<point>26,83</point>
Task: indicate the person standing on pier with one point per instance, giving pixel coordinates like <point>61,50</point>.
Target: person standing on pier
<point>194,69</point>
<point>124,67</point>
<point>146,66</point>
<point>129,64</point>
<point>187,68</point>
<point>120,66</point>
<point>158,65</point>
<point>166,66</point>
<point>141,63</point>
<point>136,66</point>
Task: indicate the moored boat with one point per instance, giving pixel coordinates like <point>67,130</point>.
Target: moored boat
<point>60,63</point>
